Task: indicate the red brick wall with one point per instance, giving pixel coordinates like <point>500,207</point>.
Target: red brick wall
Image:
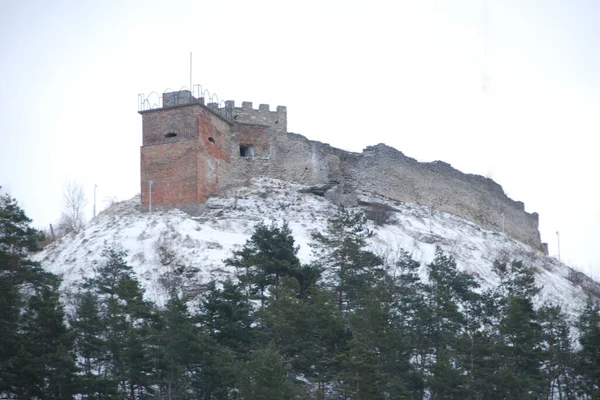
<point>172,167</point>
<point>179,120</point>
<point>195,164</point>
<point>212,127</point>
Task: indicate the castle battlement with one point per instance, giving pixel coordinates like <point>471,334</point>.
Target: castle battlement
<point>245,114</point>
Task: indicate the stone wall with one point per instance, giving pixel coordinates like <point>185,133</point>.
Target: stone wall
<point>214,150</point>
<point>277,119</point>
<point>386,171</point>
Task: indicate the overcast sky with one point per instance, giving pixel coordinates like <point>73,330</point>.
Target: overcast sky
<point>507,89</point>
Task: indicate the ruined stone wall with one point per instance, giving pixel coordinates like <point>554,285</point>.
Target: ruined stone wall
<point>211,152</point>
<point>386,171</point>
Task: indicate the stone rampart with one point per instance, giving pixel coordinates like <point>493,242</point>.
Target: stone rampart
<point>386,171</point>
<point>192,151</point>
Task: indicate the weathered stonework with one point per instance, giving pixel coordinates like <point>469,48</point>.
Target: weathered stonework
<point>192,151</point>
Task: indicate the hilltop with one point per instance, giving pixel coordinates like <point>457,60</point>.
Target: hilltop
<point>169,247</point>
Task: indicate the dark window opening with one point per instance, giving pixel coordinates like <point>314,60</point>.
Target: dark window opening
<point>211,140</point>
<point>170,135</point>
<point>246,151</point>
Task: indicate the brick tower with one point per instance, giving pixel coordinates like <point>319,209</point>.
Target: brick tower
<point>191,150</point>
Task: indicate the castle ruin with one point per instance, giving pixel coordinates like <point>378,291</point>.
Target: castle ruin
<point>192,150</point>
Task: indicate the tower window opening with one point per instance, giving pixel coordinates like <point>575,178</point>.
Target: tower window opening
<point>170,135</point>
<point>246,150</point>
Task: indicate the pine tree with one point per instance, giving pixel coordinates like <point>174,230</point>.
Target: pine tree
<point>362,373</point>
<point>448,291</point>
<point>16,239</point>
<point>410,319</point>
<point>126,319</point>
<point>478,347</point>
<point>558,369</point>
<point>36,356</point>
<point>268,255</point>
<point>189,364</point>
<point>227,317</point>
<point>341,253</point>
<point>264,376</point>
<point>588,364</point>
<point>520,336</point>
<point>91,346</point>
<point>10,304</point>
<point>308,331</point>
<point>45,362</point>
<point>377,363</point>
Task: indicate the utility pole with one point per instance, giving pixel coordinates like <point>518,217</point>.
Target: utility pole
<point>558,242</point>
<point>150,182</point>
<point>95,186</point>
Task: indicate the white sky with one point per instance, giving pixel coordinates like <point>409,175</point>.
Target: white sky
<point>406,73</point>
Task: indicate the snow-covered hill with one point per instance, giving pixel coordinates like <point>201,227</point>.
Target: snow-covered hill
<point>170,247</point>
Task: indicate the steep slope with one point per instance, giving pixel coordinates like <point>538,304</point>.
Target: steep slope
<point>171,248</point>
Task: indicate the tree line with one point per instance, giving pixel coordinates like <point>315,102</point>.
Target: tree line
<point>346,326</point>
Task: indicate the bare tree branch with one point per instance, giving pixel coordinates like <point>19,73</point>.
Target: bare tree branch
<point>73,209</point>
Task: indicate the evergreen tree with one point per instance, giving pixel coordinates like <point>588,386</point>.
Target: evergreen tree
<point>449,291</point>
<point>45,363</point>
<point>189,364</point>
<point>213,376</point>
<point>376,364</point>
<point>520,335</point>
<point>362,374</point>
<point>176,347</point>
<point>308,331</point>
<point>264,376</point>
<point>410,319</point>
<point>126,320</point>
<point>341,253</point>
<point>479,347</point>
<point>227,317</point>
<point>589,354</point>
<point>16,239</point>
<point>268,255</point>
<point>36,358</point>
<point>558,369</point>
<point>91,346</point>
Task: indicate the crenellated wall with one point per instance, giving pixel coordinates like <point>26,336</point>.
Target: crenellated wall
<point>220,148</point>
<point>245,114</point>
